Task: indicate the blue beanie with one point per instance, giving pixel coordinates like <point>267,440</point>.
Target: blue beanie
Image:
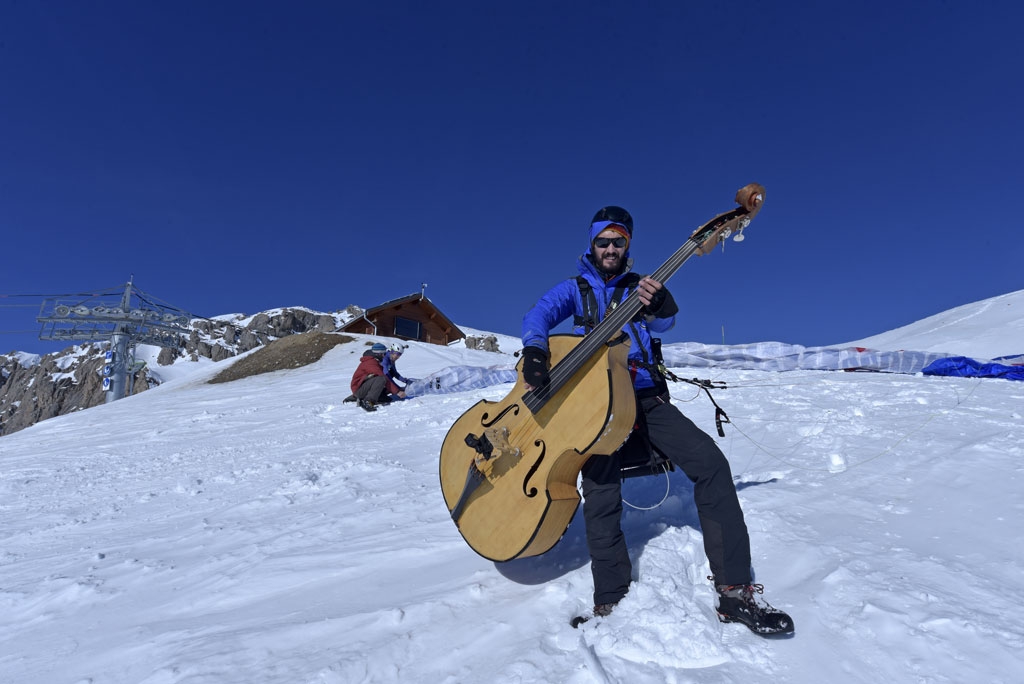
<point>378,348</point>
<point>612,217</point>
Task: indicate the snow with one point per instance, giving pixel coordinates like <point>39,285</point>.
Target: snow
<point>24,359</point>
<point>261,531</point>
<point>983,330</point>
<point>182,368</point>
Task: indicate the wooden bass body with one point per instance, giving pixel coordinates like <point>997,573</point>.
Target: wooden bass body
<point>509,474</point>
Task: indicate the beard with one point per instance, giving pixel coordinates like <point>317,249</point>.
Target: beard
<point>610,266</point>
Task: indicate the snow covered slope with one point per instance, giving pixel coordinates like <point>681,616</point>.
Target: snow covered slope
<point>982,330</point>
<point>261,531</point>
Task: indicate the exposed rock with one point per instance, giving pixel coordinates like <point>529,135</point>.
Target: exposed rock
<point>248,340</point>
<point>220,352</point>
<point>60,383</point>
<point>484,343</point>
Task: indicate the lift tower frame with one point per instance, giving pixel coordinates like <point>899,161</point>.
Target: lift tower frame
<point>126,317</point>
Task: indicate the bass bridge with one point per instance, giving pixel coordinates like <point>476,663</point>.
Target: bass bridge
<point>494,456</point>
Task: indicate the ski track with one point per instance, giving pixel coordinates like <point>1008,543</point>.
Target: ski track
<point>258,519</point>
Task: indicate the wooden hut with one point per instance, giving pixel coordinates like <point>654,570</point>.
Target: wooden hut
<point>413,317</point>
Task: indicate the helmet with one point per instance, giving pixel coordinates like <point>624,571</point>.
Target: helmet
<point>397,348</point>
<point>615,215</point>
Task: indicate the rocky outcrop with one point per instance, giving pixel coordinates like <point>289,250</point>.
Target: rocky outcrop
<point>60,383</point>
<point>482,342</point>
<point>71,380</point>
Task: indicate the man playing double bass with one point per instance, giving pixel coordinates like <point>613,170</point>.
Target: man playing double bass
<point>605,280</point>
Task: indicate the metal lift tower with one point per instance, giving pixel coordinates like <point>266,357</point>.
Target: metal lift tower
<point>101,316</point>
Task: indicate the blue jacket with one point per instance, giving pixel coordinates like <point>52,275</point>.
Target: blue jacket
<point>564,300</point>
<point>391,370</point>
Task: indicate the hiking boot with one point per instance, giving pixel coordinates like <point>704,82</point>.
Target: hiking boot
<point>600,610</point>
<point>367,405</point>
<point>738,603</point>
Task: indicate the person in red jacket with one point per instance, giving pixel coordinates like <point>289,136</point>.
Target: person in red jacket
<point>370,385</point>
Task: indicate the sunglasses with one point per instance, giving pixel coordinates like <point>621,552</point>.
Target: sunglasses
<point>602,243</point>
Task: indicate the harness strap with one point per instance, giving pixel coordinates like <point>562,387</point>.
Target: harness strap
<point>707,385</point>
<point>589,320</point>
<point>656,366</point>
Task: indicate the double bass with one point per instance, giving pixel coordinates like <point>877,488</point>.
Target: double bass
<point>509,468</point>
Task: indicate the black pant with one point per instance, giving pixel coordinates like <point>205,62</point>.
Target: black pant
<point>374,388</point>
<point>672,434</point>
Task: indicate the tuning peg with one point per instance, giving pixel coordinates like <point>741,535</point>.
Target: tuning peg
<point>739,237</point>
<point>725,237</point>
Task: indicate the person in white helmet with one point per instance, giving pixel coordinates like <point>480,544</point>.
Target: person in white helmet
<point>393,353</point>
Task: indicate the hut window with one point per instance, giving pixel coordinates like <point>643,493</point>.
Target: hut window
<point>405,327</point>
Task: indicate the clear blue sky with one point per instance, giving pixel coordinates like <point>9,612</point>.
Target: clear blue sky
<point>242,156</point>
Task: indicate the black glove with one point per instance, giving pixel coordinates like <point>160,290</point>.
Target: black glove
<point>535,367</point>
<point>662,305</point>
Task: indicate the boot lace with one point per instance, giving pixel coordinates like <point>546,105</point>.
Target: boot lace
<point>745,592</point>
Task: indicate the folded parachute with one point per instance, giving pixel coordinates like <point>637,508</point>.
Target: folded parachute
<point>1010,368</point>
<point>766,356</point>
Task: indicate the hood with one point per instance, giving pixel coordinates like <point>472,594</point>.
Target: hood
<point>598,228</point>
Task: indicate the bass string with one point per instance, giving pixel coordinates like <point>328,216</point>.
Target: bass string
<point>565,369</point>
<point>614,321</point>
